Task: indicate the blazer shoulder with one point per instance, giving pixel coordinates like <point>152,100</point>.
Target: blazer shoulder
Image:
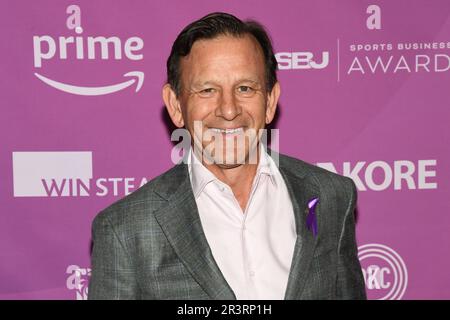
<point>324,179</point>
<point>137,205</point>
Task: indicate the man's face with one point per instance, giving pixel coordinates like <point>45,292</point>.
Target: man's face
<point>223,87</point>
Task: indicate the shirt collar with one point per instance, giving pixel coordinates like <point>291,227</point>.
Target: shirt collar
<point>200,176</point>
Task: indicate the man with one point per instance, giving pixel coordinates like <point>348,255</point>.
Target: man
<point>218,229</point>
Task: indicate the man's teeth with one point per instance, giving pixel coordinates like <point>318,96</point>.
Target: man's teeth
<point>227,131</point>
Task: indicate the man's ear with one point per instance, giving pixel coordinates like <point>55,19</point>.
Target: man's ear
<point>172,105</point>
<point>272,102</point>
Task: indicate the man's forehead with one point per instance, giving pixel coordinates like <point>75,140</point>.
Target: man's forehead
<point>205,62</point>
<point>224,44</point>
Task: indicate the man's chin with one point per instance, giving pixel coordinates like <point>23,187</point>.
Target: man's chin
<point>229,161</point>
<point>228,166</point>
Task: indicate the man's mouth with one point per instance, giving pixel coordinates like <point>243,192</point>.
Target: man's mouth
<point>228,131</point>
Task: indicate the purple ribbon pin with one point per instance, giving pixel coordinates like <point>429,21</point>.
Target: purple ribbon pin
<point>311,220</point>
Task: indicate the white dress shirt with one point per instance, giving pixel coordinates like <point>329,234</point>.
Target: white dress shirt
<point>254,248</point>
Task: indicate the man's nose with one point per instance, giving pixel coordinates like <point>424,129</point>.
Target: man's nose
<point>228,107</point>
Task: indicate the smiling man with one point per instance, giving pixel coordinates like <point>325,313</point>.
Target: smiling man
<point>233,220</point>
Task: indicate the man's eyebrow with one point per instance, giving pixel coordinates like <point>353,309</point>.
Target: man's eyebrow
<point>211,82</point>
<point>256,81</point>
<point>203,83</point>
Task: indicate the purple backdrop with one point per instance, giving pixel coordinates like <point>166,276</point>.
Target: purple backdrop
<point>364,93</point>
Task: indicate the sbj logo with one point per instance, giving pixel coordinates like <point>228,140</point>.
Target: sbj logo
<point>384,271</point>
<point>301,60</point>
<point>46,48</point>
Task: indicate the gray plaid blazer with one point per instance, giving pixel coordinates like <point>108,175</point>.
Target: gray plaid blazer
<point>151,245</point>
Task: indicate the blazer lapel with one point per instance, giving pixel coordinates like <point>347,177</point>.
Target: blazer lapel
<point>301,190</point>
<point>181,224</point>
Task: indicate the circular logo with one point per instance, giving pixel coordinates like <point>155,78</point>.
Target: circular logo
<point>384,272</point>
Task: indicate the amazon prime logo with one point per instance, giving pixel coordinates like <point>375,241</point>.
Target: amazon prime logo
<point>46,48</point>
<point>384,271</point>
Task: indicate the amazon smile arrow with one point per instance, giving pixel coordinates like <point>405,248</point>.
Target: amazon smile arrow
<point>95,91</point>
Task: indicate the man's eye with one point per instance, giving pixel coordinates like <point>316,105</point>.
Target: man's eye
<point>207,90</point>
<point>245,89</point>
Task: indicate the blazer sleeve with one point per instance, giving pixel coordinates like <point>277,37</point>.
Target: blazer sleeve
<point>350,280</point>
<point>112,274</point>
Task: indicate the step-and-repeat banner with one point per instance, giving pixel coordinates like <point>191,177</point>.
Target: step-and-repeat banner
<point>365,93</point>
